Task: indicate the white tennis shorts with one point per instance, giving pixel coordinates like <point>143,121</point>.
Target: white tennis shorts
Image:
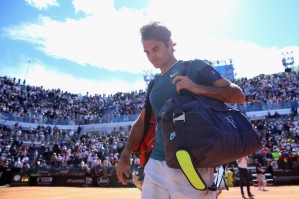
<point>162,182</point>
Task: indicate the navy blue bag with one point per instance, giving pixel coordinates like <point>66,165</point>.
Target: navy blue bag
<point>213,132</point>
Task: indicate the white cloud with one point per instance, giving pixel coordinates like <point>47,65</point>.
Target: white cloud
<point>42,4</point>
<point>39,74</point>
<point>109,38</point>
<point>93,6</point>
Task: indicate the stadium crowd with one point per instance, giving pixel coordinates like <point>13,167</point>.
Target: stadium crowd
<point>38,105</point>
<point>47,147</point>
<point>270,91</point>
<point>54,149</point>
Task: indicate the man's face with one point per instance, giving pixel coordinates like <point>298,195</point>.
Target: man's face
<point>158,53</point>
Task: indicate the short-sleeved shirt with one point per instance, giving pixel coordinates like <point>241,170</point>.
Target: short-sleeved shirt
<point>258,165</point>
<point>163,89</point>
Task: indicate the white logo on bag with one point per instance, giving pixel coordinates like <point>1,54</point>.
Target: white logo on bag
<point>230,120</point>
<point>172,75</point>
<point>172,136</point>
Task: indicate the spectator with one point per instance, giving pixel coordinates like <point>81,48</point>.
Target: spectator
<point>106,165</point>
<point>259,175</point>
<point>269,168</point>
<point>244,175</point>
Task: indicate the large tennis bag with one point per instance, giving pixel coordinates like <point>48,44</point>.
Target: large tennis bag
<point>213,132</point>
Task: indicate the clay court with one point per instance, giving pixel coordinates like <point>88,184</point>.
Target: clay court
<point>274,192</point>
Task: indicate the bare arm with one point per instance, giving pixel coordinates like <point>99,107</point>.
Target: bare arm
<point>246,158</point>
<point>260,169</point>
<point>221,90</point>
<point>135,136</point>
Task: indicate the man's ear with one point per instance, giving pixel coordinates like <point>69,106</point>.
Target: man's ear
<point>171,44</point>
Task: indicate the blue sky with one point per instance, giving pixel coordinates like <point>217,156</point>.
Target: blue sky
<point>94,45</point>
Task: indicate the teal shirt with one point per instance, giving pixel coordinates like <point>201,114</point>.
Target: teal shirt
<point>163,89</point>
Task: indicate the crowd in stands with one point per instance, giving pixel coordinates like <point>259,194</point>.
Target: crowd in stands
<point>280,141</point>
<point>38,105</point>
<point>67,148</point>
<point>53,149</point>
<point>270,91</point>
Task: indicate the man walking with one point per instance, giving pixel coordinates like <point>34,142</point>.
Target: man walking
<point>162,182</point>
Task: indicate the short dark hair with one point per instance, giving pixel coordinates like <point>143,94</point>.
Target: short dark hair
<point>155,31</point>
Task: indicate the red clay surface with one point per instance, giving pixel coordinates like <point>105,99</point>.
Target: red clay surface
<point>35,192</point>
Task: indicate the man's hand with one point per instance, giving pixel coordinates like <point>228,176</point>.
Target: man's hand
<point>183,83</point>
<point>123,168</point>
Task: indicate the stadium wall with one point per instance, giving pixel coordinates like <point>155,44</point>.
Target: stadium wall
<point>103,128</point>
<point>14,177</point>
<point>254,115</point>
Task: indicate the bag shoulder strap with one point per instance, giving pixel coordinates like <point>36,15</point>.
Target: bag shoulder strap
<point>186,72</point>
<point>148,108</point>
<point>187,69</point>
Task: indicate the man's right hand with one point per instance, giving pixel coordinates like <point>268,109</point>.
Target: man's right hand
<point>123,168</point>
<point>135,137</point>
